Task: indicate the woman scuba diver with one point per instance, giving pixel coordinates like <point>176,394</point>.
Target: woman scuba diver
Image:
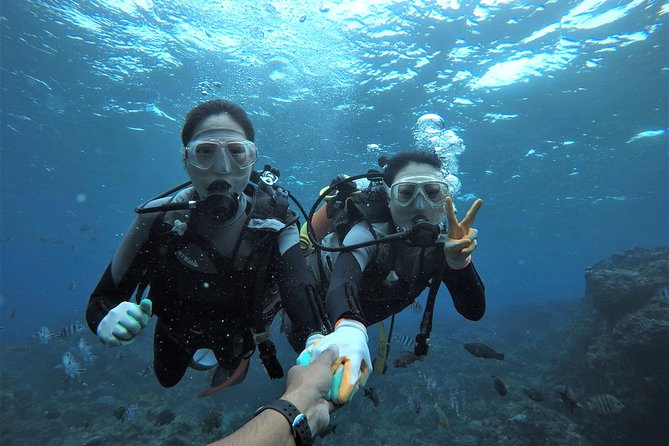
<point>385,245</point>
<point>220,257</point>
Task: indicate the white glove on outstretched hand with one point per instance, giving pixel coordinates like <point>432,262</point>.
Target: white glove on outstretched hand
<point>124,322</point>
<point>458,253</point>
<point>351,369</point>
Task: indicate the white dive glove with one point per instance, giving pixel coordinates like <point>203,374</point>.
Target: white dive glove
<point>124,322</point>
<point>458,253</point>
<point>351,369</point>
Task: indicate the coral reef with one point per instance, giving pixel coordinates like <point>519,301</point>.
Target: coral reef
<point>619,346</point>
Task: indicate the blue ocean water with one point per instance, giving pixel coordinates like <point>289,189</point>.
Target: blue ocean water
<point>561,106</point>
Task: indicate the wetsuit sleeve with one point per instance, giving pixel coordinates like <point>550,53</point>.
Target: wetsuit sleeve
<point>298,291</point>
<point>123,274</point>
<point>341,300</point>
<point>467,291</point>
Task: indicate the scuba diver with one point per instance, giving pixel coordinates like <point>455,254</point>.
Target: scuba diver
<point>220,255</point>
<point>376,249</point>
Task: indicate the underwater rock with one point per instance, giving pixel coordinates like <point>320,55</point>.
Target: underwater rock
<point>619,347</point>
<point>626,281</point>
<point>75,418</point>
<point>52,414</point>
<point>643,336</point>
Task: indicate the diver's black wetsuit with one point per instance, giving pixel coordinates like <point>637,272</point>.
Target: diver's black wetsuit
<point>370,284</point>
<point>211,284</point>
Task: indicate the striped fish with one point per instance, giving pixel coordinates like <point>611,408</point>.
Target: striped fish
<point>71,366</point>
<point>148,371</point>
<point>44,335</point>
<point>106,400</point>
<point>86,352</point>
<point>405,341</point>
<point>71,330</point>
<point>129,413</point>
<point>604,404</point>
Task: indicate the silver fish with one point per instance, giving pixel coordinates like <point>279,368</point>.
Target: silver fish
<point>44,335</point>
<point>71,330</point>
<point>71,366</point>
<point>129,413</point>
<point>86,352</point>
<point>406,341</point>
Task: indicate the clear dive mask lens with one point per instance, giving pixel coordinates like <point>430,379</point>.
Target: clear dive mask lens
<point>404,192</point>
<point>203,153</point>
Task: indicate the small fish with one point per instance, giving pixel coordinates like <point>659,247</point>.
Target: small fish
<point>118,412</point>
<point>441,416</point>
<point>165,417</point>
<point>17,348</point>
<point>499,386</point>
<point>328,430</point>
<point>413,403</point>
<point>148,371</point>
<point>211,421</point>
<point>664,293</point>
<point>534,395</point>
<point>70,366</point>
<point>604,404</point>
<point>86,352</point>
<point>44,335</point>
<point>303,18</point>
<point>71,330</point>
<point>406,341</point>
<point>405,358</point>
<point>129,413</point>
<point>416,307</point>
<point>106,400</point>
<point>483,351</point>
<point>569,399</point>
<point>373,395</point>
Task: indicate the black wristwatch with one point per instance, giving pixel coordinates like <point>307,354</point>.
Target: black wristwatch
<point>297,420</point>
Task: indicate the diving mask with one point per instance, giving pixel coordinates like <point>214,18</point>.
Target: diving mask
<point>405,192</point>
<point>233,151</point>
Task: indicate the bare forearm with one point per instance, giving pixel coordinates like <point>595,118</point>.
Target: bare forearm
<point>269,428</point>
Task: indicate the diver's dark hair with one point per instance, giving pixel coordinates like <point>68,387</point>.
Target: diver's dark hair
<point>216,107</point>
<point>400,161</point>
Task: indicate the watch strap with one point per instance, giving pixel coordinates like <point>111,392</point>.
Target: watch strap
<point>299,425</point>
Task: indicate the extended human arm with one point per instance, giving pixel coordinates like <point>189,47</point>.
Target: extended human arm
<point>460,276</point>
<point>109,314</point>
<point>305,388</point>
<point>298,289</point>
<point>467,291</point>
<point>350,332</point>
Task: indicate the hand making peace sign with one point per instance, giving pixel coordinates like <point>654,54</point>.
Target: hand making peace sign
<point>461,237</point>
